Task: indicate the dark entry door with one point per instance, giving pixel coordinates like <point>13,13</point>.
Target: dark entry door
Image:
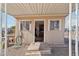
<point>39,31</point>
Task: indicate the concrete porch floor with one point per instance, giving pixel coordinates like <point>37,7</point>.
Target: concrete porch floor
<point>55,51</point>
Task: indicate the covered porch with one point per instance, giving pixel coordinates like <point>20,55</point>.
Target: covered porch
<point>39,11</point>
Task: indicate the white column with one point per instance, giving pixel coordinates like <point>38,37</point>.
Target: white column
<point>17,31</point>
<point>0,30</point>
<point>70,43</point>
<point>76,36</point>
<point>5,30</point>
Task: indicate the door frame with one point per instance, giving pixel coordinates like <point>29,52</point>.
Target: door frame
<point>44,27</point>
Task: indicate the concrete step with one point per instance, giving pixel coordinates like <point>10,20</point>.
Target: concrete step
<point>34,46</point>
<point>38,53</point>
<point>38,46</point>
<point>38,49</point>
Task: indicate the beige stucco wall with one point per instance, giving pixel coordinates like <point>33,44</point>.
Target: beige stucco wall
<point>51,37</point>
<point>28,36</point>
<point>54,36</point>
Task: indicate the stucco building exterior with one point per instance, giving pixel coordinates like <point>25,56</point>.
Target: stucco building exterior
<point>40,22</point>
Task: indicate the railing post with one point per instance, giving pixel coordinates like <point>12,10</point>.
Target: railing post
<point>5,30</point>
<point>0,29</point>
<point>76,36</point>
<point>70,43</point>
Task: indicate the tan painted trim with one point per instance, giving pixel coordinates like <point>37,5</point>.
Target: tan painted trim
<point>38,17</point>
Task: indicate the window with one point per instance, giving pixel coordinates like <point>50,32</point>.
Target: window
<point>25,25</point>
<point>54,25</point>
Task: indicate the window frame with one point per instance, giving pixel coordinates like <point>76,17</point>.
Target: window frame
<point>54,20</point>
<point>25,20</point>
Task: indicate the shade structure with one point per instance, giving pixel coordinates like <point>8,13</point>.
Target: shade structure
<point>54,9</point>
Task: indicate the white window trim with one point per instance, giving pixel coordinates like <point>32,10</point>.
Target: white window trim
<point>25,20</point>
<point>54,20</point>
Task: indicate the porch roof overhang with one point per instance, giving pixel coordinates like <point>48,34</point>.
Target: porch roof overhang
<point>36,9</point>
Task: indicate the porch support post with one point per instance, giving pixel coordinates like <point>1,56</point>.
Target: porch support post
<point>17,37</point>
<point>16,32</point>
<point>5,30</point>
<point>0,30</point>
<point>76,36</point>
<point>70,43</point>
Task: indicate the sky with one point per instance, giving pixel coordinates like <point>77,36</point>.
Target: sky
<point>73,21</point>
<point>10,20</point>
